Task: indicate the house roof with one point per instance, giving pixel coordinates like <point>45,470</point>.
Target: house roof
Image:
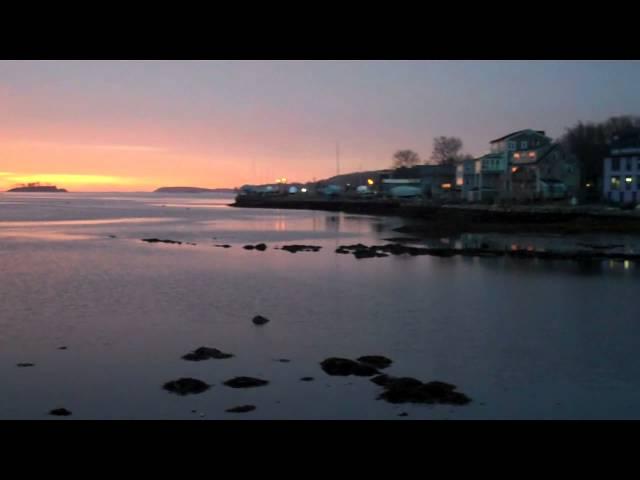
<point>541,132</point>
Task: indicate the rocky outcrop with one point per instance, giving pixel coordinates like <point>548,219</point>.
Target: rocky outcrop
<point>245,382</point>
<point>206,353</point>
<point>186,386</point>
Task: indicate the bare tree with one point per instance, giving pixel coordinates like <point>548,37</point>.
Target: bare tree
<point>405,158</point>
<point>446,150</point>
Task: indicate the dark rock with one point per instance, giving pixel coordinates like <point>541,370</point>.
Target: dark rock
<point>249,247</point>
<point>205,353</point>
<point>242,409</point>
<point>112,236</point>
<point>223,246</point>
<point>283,360</point>
<point>261,247</point>
<point>307,379</point>
<point>245,382</point>
<point>342,251</point>
<point>382,380</point>
<point>377,361</point>
<point>62,348</point>
<point>156,240</point>
<point>345,367</point>
<point>25,365</point>
<point>60,412</point>
<point>410,390</point>
<point>186,386</point>
<point>300,248</point>
<point>360,254</point>
<point>260,320</point>
<point>404,414</point>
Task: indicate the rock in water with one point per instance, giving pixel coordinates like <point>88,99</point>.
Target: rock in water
<point>410,390</point>
<point>186,386</point>
<point>242,409</point>
<point>206,353</point>
<point>245,382</point>
<point>344,367</point>
<point>307,379</point>
<point>261,247</point>
<point>60,412</point>
<point>25,365</point>
<point>260,320</point>
<point>377,361</point>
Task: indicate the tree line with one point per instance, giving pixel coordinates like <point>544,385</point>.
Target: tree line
<point>446,151</point>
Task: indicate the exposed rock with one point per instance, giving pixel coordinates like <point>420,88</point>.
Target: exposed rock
<point>186,386</point>
<point>260,320</point>
<point>249,247</point>
<point>223,246</point>
<point>156,240</point>
<point>62,348</point>
<point>25,365</point>
<point>410,390</point>
<point>242,409</point>
<point>300,248</point>
<point>112,236</point>
<point>205,353</point>
<point>60,412</point>
<point>261,247</point>
<point>377,361</point>
<point>345,367</point>
<point>283,360</point>
<point>404,414</point>
<point>307,379</point>
<point>245,382</point>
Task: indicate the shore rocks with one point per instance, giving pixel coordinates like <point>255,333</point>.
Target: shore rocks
<point>261,247</point>
<point>345,367</point>
<point>260,320</point>
<point>157,240</point>
<point>242,409</point>
<point>307,379</point>
<point>25,365</point>
<point>245,382</point>
<point>186,386</point>
<point>223,246</point>
<point>60,412</point>
<point>300,248</point>
<point>376,361</point>
<point>411,390</point>
<point>206,353</point>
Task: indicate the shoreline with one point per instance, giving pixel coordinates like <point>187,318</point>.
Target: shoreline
<point>427,220</point>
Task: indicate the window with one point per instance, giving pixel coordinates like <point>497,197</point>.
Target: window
<point>615,164</point>
<point>629,167</point>
<point>512,146</point>
<point>628,180</point>
<point>524,145</point>
<point>615,183</point>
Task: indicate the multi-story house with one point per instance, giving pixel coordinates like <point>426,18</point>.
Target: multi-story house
<point>622,171</point>
<point>539,168</point>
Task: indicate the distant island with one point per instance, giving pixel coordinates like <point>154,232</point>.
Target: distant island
<point>37,188</point>
<point>193,190</point>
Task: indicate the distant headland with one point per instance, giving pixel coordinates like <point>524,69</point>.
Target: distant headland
<point>193,190</point>
<point>37,188</point>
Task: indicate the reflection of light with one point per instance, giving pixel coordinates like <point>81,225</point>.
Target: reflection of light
<point>626,264</point>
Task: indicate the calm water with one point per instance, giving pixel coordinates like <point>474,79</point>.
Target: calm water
<point>524,338</point>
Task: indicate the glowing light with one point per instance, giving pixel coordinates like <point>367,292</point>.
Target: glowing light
<point>629,180</point>
<point>446,186</point>
<point>514,169</point>
<point>303,190</point>
<point>532,154</point>
<point>370,181</point>
<point>516,155</point>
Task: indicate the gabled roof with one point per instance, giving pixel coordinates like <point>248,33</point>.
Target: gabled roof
<point>541,132</point>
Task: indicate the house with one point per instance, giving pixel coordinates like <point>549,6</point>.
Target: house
<point>432,181</point>
<point>622,170</point>
<point>546,173</point>
<point>539,168</point>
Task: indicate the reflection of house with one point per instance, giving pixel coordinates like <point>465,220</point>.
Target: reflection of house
<point>622,171</point>
<point>433,181</point>
<point>522,165</point>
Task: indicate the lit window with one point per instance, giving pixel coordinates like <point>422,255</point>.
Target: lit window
<point>446,186</point>
<point>532,154</point>
<point>524,145</point>
<point>615,183</point>
<point>514,169</point>
<point>629,181</point>
<point>516,155</point>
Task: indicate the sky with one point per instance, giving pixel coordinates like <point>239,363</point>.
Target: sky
<point>139,125</point>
